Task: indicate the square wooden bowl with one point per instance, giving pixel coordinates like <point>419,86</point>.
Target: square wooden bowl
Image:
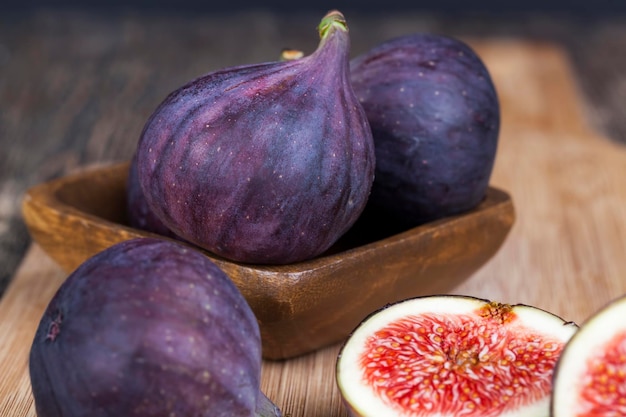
<point>303,306</point>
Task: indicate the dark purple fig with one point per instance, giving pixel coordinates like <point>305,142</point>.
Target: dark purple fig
<point>148,328</point>
<point>138,213</point>
<point>435,118</point>
<point>266,163</point>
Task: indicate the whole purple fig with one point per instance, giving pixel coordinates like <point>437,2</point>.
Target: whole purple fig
<point>148,328</point>
<point>435,118</point>
<point>266,163</point>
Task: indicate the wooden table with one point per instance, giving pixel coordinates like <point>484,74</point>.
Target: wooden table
<point>565,253</point>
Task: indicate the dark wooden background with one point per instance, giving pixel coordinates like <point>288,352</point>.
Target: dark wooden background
<point>76,86</point>
<point>449,7</point>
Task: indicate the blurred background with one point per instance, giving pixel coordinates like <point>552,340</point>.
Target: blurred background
<point>79,78</point>
<point>599,7</point>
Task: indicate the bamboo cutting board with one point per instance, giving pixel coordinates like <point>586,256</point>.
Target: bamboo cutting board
<point>565,253</point>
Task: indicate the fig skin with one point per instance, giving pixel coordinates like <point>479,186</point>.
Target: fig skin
<point>138,213</point>
<point>268,163</point>
<point>148,328</point>
<point>435,117</point>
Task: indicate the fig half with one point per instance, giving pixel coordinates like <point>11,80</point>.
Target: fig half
<point>590,376</point>
<point>451,356</point>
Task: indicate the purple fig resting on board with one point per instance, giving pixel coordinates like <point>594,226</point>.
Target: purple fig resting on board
<point>435,118</point>
<point>267,163</point>
<point>148,328</point>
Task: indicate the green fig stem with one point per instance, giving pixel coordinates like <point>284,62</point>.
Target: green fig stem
<point>332,21</point>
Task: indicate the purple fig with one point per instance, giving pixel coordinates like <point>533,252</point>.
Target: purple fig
<point>138,212</point>
<point>148,328</point>
<point>435,117</point>
<point>266,163</point>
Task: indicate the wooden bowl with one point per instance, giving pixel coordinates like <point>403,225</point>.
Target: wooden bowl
<point>303,306</point>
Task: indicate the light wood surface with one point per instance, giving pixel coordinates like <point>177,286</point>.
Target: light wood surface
<point>565,252</point>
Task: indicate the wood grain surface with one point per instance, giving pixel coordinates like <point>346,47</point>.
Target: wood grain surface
<point>565,252</point>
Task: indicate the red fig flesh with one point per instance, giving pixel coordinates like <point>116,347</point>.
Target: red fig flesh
<point>590,377</point>
<point>452,356</point>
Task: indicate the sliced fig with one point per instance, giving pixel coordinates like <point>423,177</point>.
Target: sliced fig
<point>148,328</point>
<point>267,163</point>
<point>435,118</point>
<point>451,356</point>
<point>590,376</point>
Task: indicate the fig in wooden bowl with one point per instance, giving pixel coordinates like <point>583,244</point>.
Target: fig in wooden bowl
<point>435,118</point>
<point>300,306</point>
<point>265,163</point>
<point>268,167</point>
